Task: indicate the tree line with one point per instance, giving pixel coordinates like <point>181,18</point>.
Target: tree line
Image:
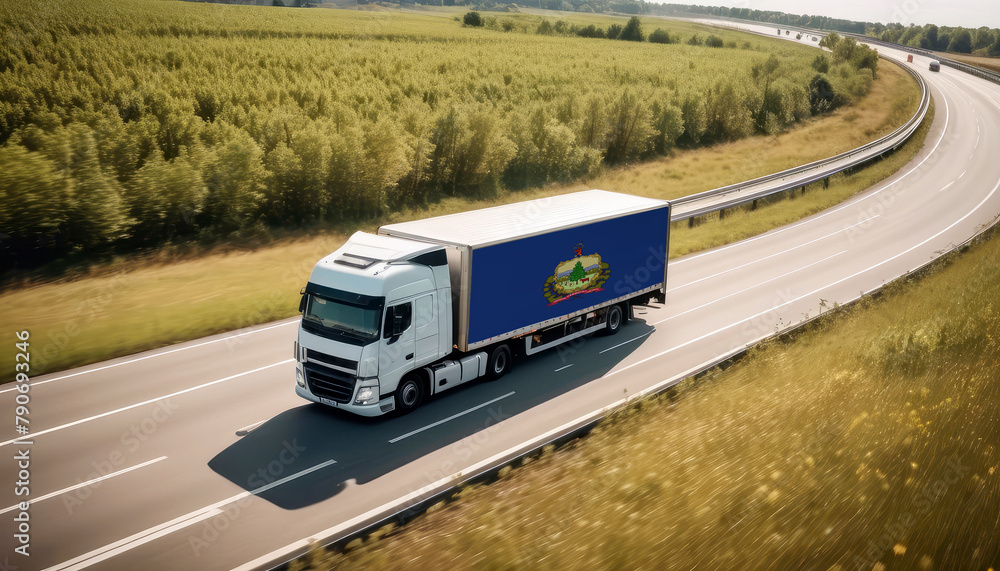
<point>114,139</point>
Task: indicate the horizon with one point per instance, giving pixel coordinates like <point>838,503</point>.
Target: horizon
<point>951,13</point>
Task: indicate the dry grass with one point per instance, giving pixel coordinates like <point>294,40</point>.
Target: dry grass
<point>990,63</point>
<point>871,442</point>
<point>128,307</point>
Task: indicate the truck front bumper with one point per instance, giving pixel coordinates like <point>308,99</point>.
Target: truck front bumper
<point>383,406</point>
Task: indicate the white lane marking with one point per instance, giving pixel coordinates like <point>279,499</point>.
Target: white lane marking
<point>85,484</point>
<point>947,186</point>
<point>37,383</point>
<point>452,417</point>
<point>802,245</point>
<point>835,209</point>
<point>150,401</point>
<point>717,300</point>
<point>814,292</point>
<point>561,368</point>
<point>646,334</point>
<point>158,531</point>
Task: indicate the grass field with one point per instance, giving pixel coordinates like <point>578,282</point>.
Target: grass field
<point>870,442</point>
<point>122,308</point>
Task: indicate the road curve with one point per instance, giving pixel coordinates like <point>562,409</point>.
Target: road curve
<point>201,456</point>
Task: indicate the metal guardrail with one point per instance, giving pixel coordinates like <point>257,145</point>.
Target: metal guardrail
<point>744,191</point>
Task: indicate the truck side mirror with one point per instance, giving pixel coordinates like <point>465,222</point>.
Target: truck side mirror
<point>302,300</point>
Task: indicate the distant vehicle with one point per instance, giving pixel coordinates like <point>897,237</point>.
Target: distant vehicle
<point>815,39</point>
<point>935,65</point>
<point>425,306</point>
<point>909,58</point>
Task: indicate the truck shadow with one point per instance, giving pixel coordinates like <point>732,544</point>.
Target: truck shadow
<point>364,449</point>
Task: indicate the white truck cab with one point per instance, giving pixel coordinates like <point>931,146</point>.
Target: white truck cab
<point>372,311</point>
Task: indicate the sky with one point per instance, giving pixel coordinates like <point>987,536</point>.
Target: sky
<point>967,13</point>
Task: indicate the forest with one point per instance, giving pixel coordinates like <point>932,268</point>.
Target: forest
<point>128,126</point>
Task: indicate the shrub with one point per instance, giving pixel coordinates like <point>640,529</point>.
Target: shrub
<point>659,36</point>
<point>614,30</point>
<point>714,42</point>
<point>590,31</point>
<point>633,31</point>
<point>473,19</point>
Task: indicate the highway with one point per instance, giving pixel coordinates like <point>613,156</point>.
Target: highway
<point>200,456</point>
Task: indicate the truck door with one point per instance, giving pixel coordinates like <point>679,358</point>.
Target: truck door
<point>397,345</point>
<point>426,329</point>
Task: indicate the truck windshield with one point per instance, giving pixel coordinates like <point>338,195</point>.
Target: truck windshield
<point>338,319</point>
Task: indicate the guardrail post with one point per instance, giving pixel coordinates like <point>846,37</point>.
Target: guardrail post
<point>826,182</point>
<point>691,222</point>
<point>753,205</point>
<point>803,189</point>
<point>722,213</point>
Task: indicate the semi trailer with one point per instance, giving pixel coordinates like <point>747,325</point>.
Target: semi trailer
<point>421,307</point>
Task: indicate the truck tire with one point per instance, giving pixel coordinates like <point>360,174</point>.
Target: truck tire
<point>499,362</point>
<point>613,320</point>
<point>409,393</point>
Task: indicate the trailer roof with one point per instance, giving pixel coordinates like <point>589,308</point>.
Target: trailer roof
<point>500,224</point>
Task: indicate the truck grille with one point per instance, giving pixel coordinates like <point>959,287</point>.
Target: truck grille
<point>331,384</point>
<point>331,361</point>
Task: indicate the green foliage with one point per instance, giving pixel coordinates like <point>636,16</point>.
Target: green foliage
<point>154,122</point>
<point>821,63</point>
<point>590,31</point>
<point>633,31</point>
<point>694,40</point>
<point>713,41</point>
<point>473,19</point>
<point>660,36</point>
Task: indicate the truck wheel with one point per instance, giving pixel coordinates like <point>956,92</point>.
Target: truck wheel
<point>409,393</point>
<point>499,363</point>
<point>613,320</point>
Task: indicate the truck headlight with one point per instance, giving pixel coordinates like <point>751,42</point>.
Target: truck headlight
<point>368,393</point>
<point>299,379</point>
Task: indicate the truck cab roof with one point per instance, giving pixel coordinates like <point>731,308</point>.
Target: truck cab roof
<point>376,265</point>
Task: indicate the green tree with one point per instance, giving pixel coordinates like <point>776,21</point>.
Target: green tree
<point>614,30</point>
<point>235,178</point>
<point>633,31</point>
<point>473,19</point>
<point>32,204</point>
<point>714,41</point>
<point>165,198</point>
<point>961,43</point>
<point>578,272</point>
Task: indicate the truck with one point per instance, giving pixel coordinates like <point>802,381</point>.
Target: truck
<point>421,307</point>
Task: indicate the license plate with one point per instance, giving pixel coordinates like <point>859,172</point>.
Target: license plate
<point>327,401</point>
